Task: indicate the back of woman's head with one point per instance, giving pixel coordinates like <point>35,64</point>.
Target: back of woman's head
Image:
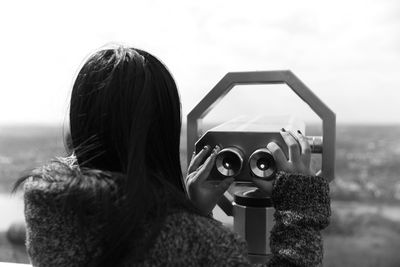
<point>125,117</point>
<point>125,112</point>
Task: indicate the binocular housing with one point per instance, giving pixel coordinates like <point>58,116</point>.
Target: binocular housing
<point>243,144</point>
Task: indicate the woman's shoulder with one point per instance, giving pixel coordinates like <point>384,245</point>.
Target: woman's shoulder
<point>62,179</point>
<point>188,239</point>
<point>63,209</point>
<point>60,189</point>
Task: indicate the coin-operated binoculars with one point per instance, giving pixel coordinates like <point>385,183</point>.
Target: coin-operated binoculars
<point>244,154</point>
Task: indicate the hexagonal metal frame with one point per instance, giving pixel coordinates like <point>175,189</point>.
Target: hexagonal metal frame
<point>231,79</point>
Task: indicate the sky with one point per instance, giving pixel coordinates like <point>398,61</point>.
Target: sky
<point>346,52</point>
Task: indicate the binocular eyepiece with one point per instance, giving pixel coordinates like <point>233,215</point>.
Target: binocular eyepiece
<point>229,162</point>
<point>262,164</point>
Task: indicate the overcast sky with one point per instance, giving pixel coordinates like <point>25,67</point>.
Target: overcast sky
<point>347,52</point>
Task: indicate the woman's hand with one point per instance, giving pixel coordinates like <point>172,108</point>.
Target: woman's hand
<point>204,193</point>
<point>298,161</point>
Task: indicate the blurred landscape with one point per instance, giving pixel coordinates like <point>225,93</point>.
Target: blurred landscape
<point>365,224</point>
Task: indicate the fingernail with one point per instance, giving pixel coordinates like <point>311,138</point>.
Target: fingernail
<point>215,150</point>
<point>271,145</point>
<point>283,130</point>
<point>299,132</point>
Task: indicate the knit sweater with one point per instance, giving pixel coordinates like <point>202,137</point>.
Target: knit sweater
<point>56,237</point>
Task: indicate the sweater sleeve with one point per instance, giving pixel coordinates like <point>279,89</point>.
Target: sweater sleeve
<point>302,209</point>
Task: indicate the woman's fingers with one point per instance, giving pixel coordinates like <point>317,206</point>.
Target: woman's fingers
<point>223,186</point>
<point>280,158</point>
<point>265,186</point>
<point>205,170</point>
<point>198,159</point>
<point>305,148</point>
<point>293,145</point>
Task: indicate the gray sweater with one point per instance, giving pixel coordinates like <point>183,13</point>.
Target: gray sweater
<point>56,237</point>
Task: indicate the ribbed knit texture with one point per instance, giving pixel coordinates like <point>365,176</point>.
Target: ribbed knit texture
<point>56,237</point>
<point>302,209</point>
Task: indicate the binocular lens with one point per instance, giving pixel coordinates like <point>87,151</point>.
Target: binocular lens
<point>262,163</point>
<point>229,161</point>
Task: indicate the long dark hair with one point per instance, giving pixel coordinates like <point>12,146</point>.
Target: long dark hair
<point>125,117</point>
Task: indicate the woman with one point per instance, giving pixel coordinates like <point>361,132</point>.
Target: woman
<point>120,200</point>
